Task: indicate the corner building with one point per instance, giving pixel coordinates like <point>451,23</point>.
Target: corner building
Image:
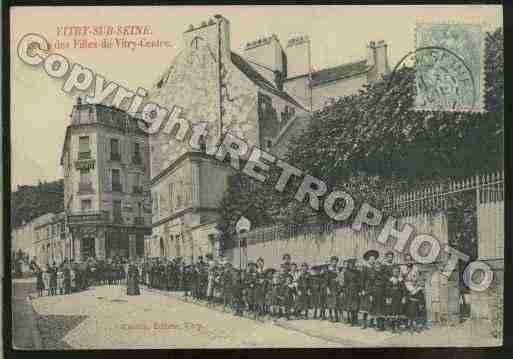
<point>105,160</point>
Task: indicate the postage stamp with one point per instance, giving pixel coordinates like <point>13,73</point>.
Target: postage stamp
<point>449,67</point>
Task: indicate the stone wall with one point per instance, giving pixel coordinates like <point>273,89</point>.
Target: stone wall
<point>316,244</point>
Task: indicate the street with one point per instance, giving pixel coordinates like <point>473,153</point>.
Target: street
<point>105,317</point>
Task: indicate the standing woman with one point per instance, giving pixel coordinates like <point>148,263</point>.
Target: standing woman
<point>211,278</point>
<point>132,285</point>
<point>46,280</point>
<point>53,280</point>
<point>67,279</point>
<point>60,280</point>
<point>40,282</point>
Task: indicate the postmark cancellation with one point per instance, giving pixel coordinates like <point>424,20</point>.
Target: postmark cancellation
<point>449,66</point>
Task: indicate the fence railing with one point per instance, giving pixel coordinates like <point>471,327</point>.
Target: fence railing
<point>488,187</point>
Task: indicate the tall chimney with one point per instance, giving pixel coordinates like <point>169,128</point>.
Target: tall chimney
<point>377,57</point>
<point>298,56</point>
<point>266,56</point>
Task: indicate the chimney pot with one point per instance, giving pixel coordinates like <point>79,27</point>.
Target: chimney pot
<point>203,23</point>
<point>191,27</point>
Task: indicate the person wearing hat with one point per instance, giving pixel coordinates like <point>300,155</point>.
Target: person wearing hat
<point>288,293</point>
<point>395,298</point>
<point>369,293</point>
<point>250,284</point>
<point>287,259</point>
<point>352,280</point>
<point>227,285</point>
<point>261,287</point>
<point>332,288</point>
<point>303,291</point>
<point>316,290</point>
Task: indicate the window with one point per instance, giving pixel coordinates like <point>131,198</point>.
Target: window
<point>84,151</point>
<point>139,209</point>
<point>114,149</point>
<point>85,177</point>
<point>116,180</point>
<point>136,156</point>
<point>86,205</point>
<point>116,209</point>
<point>137,182</point>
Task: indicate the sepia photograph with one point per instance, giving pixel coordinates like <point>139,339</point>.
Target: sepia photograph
<point>297,176</point>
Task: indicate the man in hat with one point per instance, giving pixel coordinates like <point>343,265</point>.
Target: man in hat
<point>369,294</point>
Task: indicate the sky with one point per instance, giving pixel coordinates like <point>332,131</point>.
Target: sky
<point>40,110</point>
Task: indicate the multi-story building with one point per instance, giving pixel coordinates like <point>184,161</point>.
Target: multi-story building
<point>49,239</point>
<point>263,96</point>
<point>105,160</point>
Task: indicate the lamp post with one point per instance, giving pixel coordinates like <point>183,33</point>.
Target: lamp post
<point>243,225</point>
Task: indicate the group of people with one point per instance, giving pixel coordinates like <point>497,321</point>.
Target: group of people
<point>371,292</point>
<point>69,277</point>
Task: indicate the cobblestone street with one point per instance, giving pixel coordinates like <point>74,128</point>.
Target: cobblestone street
<point>105,317</point>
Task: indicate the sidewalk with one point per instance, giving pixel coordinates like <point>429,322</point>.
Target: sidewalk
<point>467,334</point>
<point>25,334</point>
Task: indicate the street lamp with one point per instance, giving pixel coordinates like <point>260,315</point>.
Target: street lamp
<point>243,225</point>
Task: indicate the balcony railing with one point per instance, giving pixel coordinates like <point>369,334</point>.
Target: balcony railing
<point>115,156</point>
<point>117,187</point>
<point>85,187</point>
<point>137,189</point>
<point>89,217</point>
<point>86,155</point>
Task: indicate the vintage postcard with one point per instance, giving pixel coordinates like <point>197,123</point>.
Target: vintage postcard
<point>256,177</point>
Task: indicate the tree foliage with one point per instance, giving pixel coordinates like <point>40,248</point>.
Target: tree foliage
<point>29,202</point>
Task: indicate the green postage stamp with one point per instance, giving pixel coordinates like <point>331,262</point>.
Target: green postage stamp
<point>449,67</point>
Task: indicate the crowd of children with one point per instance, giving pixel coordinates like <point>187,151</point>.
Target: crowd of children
<point>369,293</point>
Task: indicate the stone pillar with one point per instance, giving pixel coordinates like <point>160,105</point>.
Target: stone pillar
<point>99,244</point>
<point>195,188</point>
<point>77,240</point>
<point>131,246</point>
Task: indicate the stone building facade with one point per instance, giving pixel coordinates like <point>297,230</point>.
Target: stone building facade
<point>105,160</point>
<point>49,239</point>
<point>262,96</point>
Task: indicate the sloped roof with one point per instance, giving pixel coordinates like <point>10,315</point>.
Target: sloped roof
<point>259,80</point>
<point>339,72</point>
